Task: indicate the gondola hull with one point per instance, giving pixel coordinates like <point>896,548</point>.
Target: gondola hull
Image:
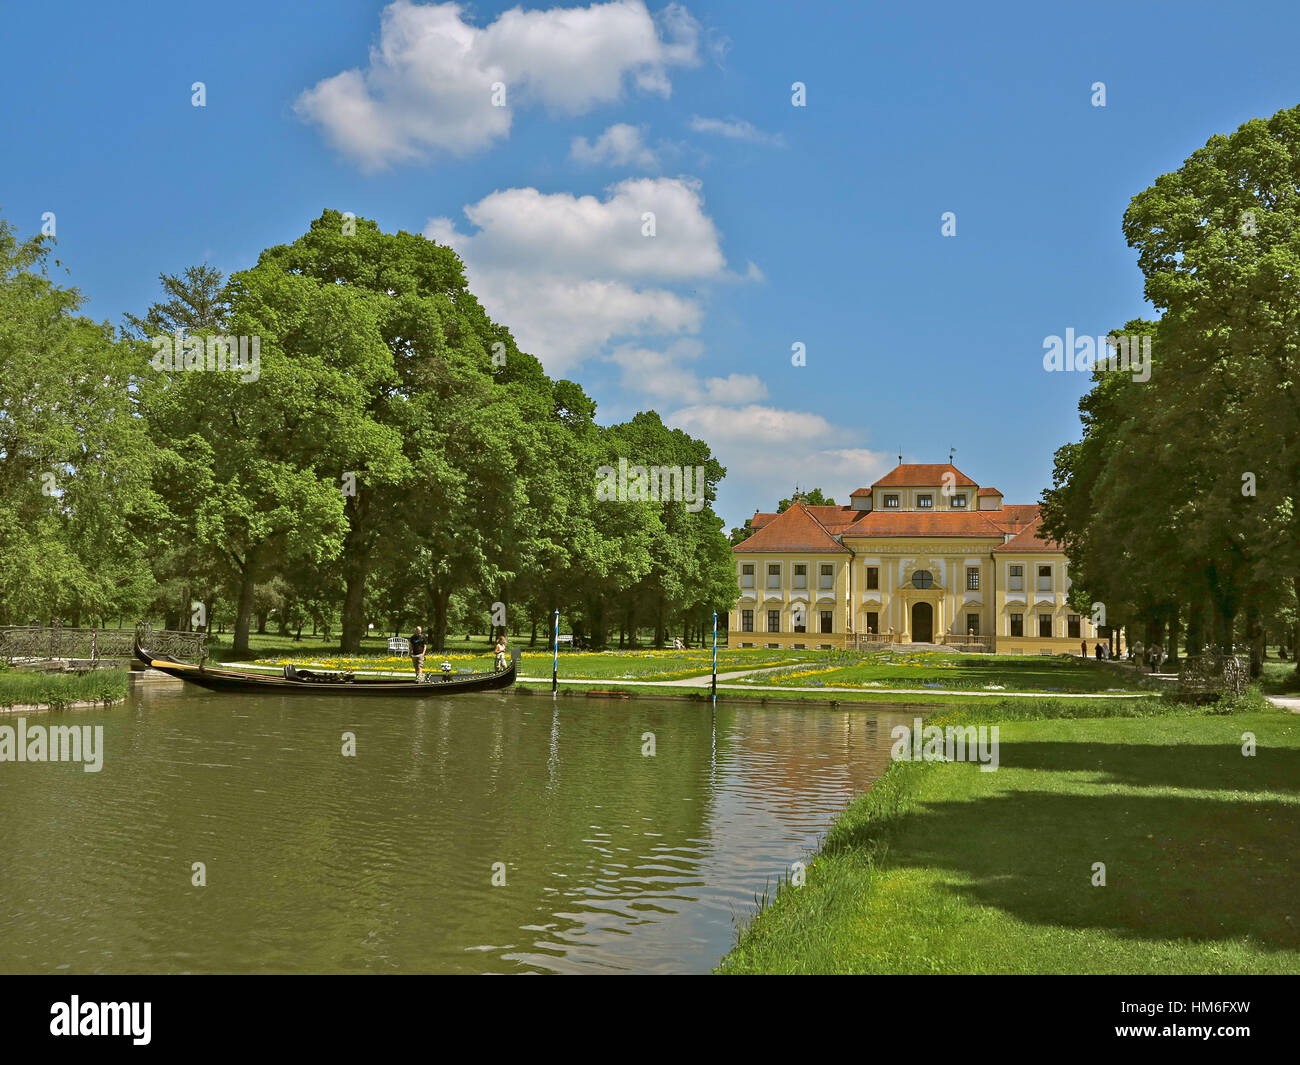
<point>218,679</point>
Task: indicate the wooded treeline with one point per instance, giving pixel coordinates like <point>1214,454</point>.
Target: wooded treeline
<point>394,459</point>
<point>1178,508</point>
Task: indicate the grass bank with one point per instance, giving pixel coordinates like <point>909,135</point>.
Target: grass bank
<point>55,691</point>
<point>1063,706</point>
<point>596,665</point>
<point>941,868</point>
<point>957,672</point>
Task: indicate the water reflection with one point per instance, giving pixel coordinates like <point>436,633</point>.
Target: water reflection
<point>384,862</point>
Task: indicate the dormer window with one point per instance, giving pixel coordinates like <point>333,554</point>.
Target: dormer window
<point>959,500</point>
<point>890,499</point>
<point>925,502</point>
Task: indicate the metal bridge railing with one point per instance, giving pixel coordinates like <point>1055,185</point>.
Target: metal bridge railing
<point>57,643</point>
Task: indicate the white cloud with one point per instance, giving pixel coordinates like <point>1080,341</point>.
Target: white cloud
<point>735,129</point>
<point>428,84</point>
<point>528,230</point>
<point>767,450</point>
<point>620,145</point>
<point>570,273</point>
<point>660,374</point>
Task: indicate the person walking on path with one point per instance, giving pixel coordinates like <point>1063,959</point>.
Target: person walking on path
<point>417,649</point>
<point>1084,645</point>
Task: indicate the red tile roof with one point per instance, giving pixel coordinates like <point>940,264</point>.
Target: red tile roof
<point>923,523</point>
<point>835,519</point>
<point>1029,540</point>
<point>759,520</point>
<point>794,530</point>
<point>922,475</point>
<point>988,492</point>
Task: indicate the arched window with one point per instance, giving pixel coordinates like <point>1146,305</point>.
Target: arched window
<point>922,578</point>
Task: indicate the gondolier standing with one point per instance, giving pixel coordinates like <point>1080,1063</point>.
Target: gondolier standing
<point>417,643</point>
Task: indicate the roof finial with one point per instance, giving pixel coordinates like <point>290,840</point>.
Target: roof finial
<point>951,452</point>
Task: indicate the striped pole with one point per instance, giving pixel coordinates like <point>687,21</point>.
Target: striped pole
<point>555,665</point>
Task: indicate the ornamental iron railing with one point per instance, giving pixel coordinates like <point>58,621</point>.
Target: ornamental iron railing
<point>56,643</point>
<point>1213,674</point>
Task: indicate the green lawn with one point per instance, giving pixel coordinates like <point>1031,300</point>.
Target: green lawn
<point>1280,678</point>
<point>942,868</point>
<point>957,672</point>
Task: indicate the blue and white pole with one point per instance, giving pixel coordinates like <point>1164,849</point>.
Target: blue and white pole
<point>714,686</point>
<point>555,665</point>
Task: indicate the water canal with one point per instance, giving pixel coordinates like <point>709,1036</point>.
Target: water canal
<point>613,860</point>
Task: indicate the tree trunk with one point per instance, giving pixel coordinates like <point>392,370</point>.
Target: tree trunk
<point>1195,627</point>
<point>438,630</point>
<point>354,601</point>
<point>1254,639</point>
<point>244,610</point>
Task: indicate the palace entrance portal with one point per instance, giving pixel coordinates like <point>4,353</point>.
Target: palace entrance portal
<point>922,623</point>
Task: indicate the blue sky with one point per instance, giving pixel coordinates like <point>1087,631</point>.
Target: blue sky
<point>775,224</point>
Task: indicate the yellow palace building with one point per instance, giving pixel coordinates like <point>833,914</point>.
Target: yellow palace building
<point>923,556</point>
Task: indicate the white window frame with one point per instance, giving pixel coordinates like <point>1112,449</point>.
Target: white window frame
<point>752,574</point>
<point>1039,578</point>
<point>1012,577</point>
<point>767,568</point>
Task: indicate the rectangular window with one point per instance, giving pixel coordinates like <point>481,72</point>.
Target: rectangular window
<point>873,622</point>
<point>891,499</point>
<point>972,578</point>
<point>774,576</point>
<point>1017,624</point>
<point>774,621</point>
<point>1072,626</point>
<point>873,576</point>
<point>972,624</point>
<point>1016,581</point>
<point>1045,625</point>
<point>826,621</point>
<point>925,502</point>
<point>798,619</point>
<point>747,576</point>
<point>1044,578</point>
<point>828,577</point>
<point>746,621</point>
<point>801,576</point>
<point>959,500</point>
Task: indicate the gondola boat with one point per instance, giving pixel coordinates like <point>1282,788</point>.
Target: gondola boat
<point>323,682</point>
